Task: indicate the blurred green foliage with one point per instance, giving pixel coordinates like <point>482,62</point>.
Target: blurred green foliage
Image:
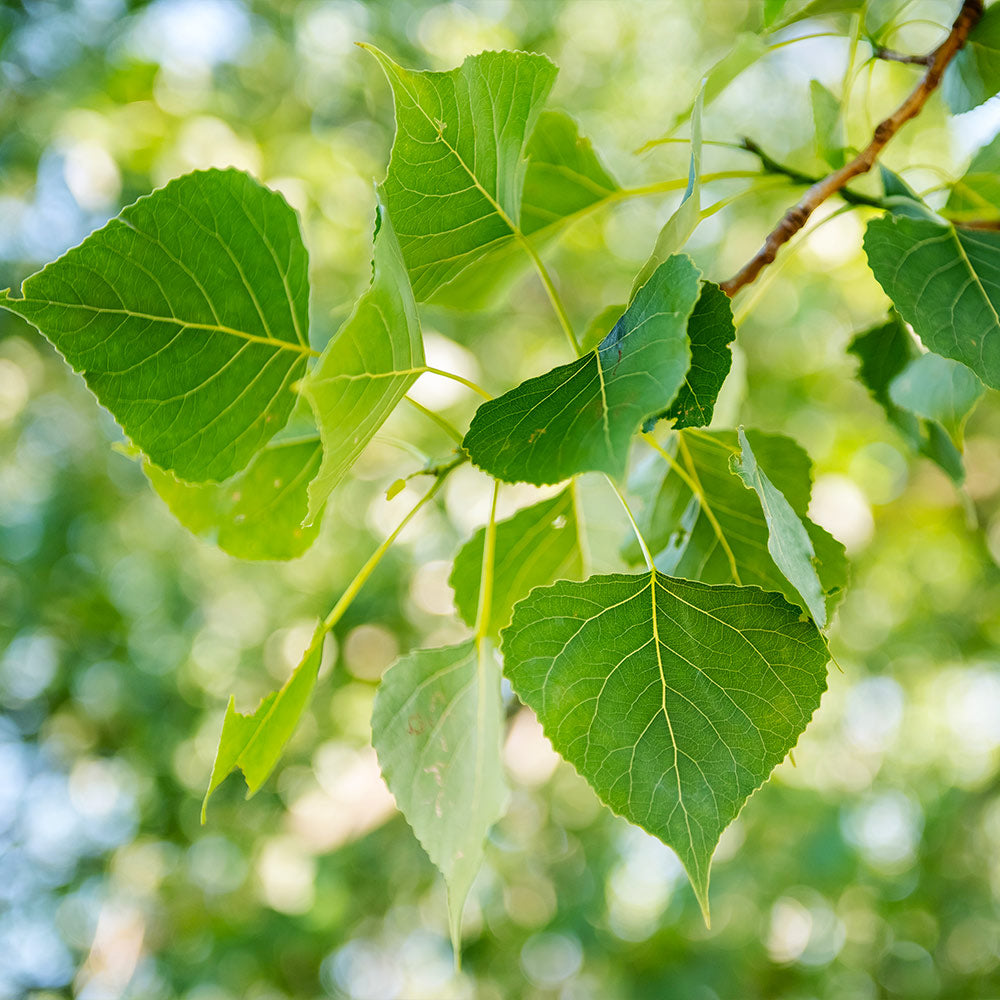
<point>867,870</point>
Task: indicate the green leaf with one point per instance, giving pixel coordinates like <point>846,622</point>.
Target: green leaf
<point>976,195</point>
<point>564,177</point>
<point>682,223</point>
<point>937,389</point>
<point>457,168</point>
<point>787,539</point>
<point>884,352</point>
<point>535,547</point>
<point>821,8</point>
<point>945,282</point>
<point>973,76</point>
<point>711,331</point>
<point>437,725</point>
<point>258,513</point>
<point>705,525</point>
<point>188,317</point>
<point>830,140</point>
<point>675,700</point>
<point>581,416</point>
<point>254,743</point>
<point>367,367</point>
<point>597,328</point>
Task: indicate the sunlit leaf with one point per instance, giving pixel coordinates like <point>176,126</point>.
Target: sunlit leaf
<point>367,367</point>
<point>674,699</point>
<point>976,194</point>
<point>717,532</point>
<point>581,416</point>
<point>254,743</point>
<point>188,317</point>
<point>258,513</point>
<point>829,124</point>
<point>945,282</point>
<point>885,351</point>
<point>457,168</point>
<point>538,545</point>
<point>973,76</point>
<point>787,539</point>
<point>437,724</point>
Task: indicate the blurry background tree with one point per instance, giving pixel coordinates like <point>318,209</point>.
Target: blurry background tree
<point>868,870</point>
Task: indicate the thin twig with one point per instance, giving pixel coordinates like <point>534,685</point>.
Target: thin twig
<point>891,55</point>
<point>797,216</point>
<point>993,224</point>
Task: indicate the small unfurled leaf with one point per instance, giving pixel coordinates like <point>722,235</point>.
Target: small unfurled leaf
<point>829,124</point>
<point>678,228</point>
<point>787,539</point>
<point>437,725</point>
<point>937,389</point>
<point>564,177</point>
<point>675,700</point>
<point>973,76</point>
<point>718,532</point>
<point>188,317</point>
<point>258,513</point>
<point>976,194</point>
<point>254,743</point>
<point>367,368</point>
<point>457,168</point>
<point>537,546</point>
<point>945,282</point>
<point>711,331</point>
<point>885,351</point>
<point>581,416</point>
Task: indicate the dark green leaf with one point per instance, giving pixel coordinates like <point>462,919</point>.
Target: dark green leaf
<point>188,317</point>
<point>437,726</point>
<point>945,282</point>
<point>538,545</point>
<point>457,168</point>
<point>787,539</point>
<point>675,700</point>
<point>366,368</point>
<point>717,532</point>
<point>258,513</point>
<point>581,416</point>
<point>973,76</point>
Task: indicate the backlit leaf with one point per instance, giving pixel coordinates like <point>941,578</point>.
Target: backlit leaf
<point>973,76</point>
<point>945,282</point>
<point>581,416</point>
<point>367,367</point>
<point>188,317</point>
<point>675,700</point>
<point>976,195</point>
<point>437,724</point>
<point>538,545</point>
<point>829,124</point>
<point>457,168</point>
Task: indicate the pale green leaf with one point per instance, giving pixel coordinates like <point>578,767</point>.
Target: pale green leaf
<point>535,547</point>
<point>718,532</point>
<point>682,223</point>
<point>820,8</point>
<point>829,124</point>
<point>973,76</point>
<point>581,416</point>
<point>945,282</point>
<point>937,389</point>
<point>564,178</point>
<point>254,743</point>
<point>884,352</point>
<point>711,331</point>
<point>367,367</point>
<point>457,168</point>
<point>976,194</point>
<point>787,540</point>
<point>598,327</point>
<point>675,700</point>
<point>188,317</point>
<point>258,513</point>
<point>437,726</point>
